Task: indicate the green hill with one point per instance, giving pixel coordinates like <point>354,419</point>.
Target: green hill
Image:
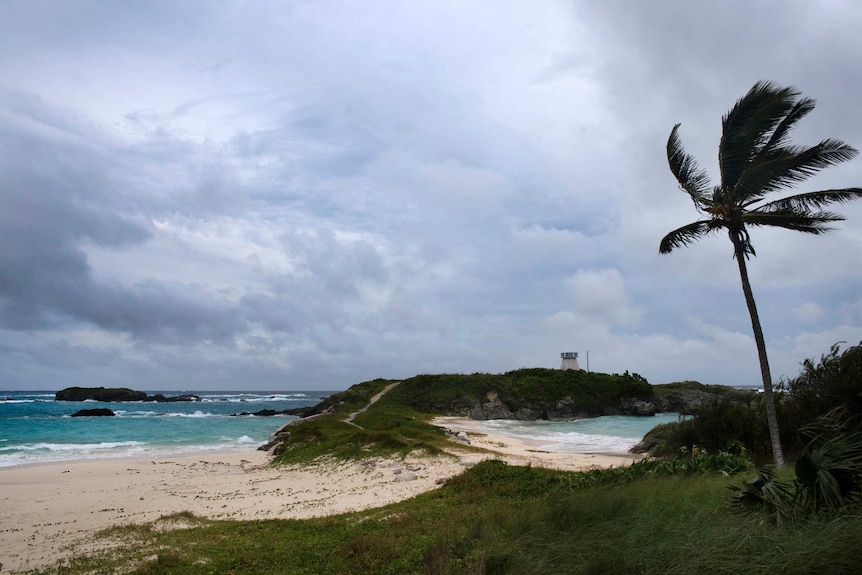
<point>528,394</point>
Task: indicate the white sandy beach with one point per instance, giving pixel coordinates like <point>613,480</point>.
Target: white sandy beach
<point>51,510</point>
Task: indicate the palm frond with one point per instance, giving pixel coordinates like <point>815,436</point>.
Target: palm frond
<point>764,494</point>
<point>785,167</point>
<point>829,471</point>
<point>801,221</point>
<point>691,178</point>
<point>748,126</point>
<point>812,200</point>
<point>685,235</point>
<point>779,137</point>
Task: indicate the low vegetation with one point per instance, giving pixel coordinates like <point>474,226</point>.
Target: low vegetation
<point>828,475</point>
<point>593,393</point>
<point>703,507</point>
<point>500,519</point>
<point>833,381</point>
<point>389,429</point>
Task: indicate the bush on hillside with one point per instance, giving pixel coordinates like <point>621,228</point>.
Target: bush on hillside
<point>720,425</point>
<point>836,381</point>
<point>593,393</point>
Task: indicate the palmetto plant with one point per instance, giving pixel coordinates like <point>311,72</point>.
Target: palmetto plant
<point>765,494</point>
<point>756,159</point>
<point>829,470</point>
<point>828,474</point>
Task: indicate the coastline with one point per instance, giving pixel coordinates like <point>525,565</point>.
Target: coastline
<point>52,510</point>
<point>528,451</point>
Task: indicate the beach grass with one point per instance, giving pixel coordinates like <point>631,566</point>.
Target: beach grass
<point>390,429</point>
<point>501,519</point>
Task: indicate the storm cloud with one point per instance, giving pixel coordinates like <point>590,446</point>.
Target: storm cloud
<point>223,195</point>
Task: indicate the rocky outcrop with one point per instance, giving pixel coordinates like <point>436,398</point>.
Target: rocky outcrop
<point>493,407</point>
<point>116,395</point>
<point>638,407</point>
<point>277,442</point>
<point>326,406</point>
<point>689,397</point>
<point>111,394</point>
<point>651,440</point>
<point>686,398</point>
<point>97,412</point>
<point>687,401</point>
<point>263,413</point>
<point>159,398</point>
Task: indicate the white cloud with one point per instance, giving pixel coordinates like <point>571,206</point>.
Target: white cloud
<point>808,312</point>
<point>600,297</point>
<point>313,194</point>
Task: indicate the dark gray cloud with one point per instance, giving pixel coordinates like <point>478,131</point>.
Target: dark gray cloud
<point>213,195</point>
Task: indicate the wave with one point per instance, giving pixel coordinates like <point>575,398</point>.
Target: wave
<point>145,414</point>
<point>70,447</point>
<point>579,442</point>
<point>599,434</point>
<point>195,414</point>
<point>55,452</point>
<point>253,397</point>
<point>569,441</point>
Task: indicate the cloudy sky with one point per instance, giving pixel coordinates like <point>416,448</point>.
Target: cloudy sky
<point>308,194</point>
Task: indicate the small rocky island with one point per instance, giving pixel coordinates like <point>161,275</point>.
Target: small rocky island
<point>116,395</point>
<point>97,412</point>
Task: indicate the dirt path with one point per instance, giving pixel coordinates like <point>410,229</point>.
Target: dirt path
<point>370,403</point>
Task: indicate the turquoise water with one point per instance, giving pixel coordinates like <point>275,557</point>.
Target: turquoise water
<point>34,428</point>
<point>612,433</point>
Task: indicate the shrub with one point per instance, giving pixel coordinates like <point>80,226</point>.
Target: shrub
<point>828,474</point>
<point>720,425</point>
<point>820,387</point>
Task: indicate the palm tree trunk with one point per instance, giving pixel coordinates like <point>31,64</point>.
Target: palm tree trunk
<point>768,396</point>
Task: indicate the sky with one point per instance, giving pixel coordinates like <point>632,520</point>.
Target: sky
<point>304,195</point>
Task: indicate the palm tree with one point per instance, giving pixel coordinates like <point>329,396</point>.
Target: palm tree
<point>755,158</point>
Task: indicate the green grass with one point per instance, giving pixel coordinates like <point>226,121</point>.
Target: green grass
<point>354,398</point>
<point>387,429</point>
<point>499,519</point>
<point>592,392</point>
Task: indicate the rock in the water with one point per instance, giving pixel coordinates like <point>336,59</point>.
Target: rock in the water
<point>159,398</point>
<point>97,412</point>
<point>99,394</point>
<point>262,413</point>
<point>115,395</point>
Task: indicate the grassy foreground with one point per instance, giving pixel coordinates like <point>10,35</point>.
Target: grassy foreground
<point>499,519</point>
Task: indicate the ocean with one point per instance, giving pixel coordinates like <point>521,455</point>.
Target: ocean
<point>611,433</point>
<point>34,428</point>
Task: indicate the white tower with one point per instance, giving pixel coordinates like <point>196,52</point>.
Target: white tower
<point>570,360</point>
